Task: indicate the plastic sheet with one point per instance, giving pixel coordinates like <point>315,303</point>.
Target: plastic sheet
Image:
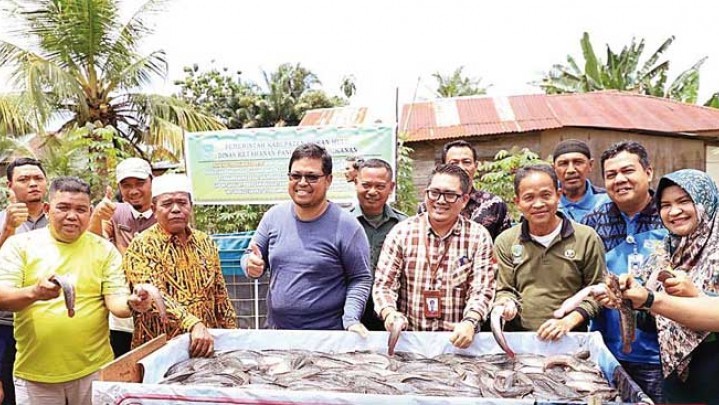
<point>426,343</point>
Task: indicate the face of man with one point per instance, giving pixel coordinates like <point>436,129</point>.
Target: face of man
<point>572,170</point>
<point>464,158</point>
<point>173,212</point>
<point>29,184</point>
<point>69,215</point>
<point>538,198</point>
<point>441,212</point>
<point>308,185</point>
<point>350,171</point>
<point>626,181</point>
<point>678,212</point>
<point>374,187</point>
<point>137,192</point>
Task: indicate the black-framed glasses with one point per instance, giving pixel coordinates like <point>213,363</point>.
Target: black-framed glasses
<point>309,177</point>
<point>449,196</point>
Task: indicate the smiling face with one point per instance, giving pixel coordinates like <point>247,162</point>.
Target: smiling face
<point>69,215</point>
<point>443,214</point>
<point>572,170</point>
<point>538,198</point>
<point>137,192</point>
<point>28,183</point>
<point>173,212</point>
<point>678,212</point>
<point>627,182</point>
<point>374,186</point>
<point>307,194</point>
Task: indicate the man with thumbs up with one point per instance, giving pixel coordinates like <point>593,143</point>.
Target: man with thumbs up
<point>25,212</point>
<point>121,222</point>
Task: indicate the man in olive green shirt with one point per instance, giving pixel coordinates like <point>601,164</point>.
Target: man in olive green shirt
<point>374,186</point>
<point>545,259</point>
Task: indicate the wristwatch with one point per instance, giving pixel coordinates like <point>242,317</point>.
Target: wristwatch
<point>473,321</point>
<point>650,300</point>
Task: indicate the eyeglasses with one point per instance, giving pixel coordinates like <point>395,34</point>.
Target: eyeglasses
<point>449,197</point>
<point>310,178</point>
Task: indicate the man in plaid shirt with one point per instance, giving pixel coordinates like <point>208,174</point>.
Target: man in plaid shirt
<point>435,272</point>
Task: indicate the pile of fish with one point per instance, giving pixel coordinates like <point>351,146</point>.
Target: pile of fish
<point>531,376</point>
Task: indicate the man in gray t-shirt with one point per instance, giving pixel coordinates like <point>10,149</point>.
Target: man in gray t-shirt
<point>25,212</point>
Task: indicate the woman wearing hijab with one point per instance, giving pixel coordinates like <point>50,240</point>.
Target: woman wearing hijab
<point>688,201</point>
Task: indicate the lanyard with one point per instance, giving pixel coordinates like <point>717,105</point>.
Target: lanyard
<point>434,269</point>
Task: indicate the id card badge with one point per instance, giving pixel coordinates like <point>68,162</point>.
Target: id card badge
<point>432,300</point>
<point>634,263</point>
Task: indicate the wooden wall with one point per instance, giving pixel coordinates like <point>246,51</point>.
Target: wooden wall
<point>666,153</point>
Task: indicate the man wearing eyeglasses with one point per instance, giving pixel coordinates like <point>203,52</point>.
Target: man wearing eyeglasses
<point>435,271</point>
<point>482,207</point>
<point>317,253</point>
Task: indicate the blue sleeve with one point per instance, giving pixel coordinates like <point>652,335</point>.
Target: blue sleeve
<point>356,264</point>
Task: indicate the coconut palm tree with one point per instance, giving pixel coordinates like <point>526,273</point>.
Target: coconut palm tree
<point>80,62</point>
<point>457,85</point>
<point>623,71</point>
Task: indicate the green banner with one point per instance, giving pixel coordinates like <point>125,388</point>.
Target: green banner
<point>249,166</point>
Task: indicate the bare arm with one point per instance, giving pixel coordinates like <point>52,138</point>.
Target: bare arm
<point>698,313</point>
<point>16,299</point>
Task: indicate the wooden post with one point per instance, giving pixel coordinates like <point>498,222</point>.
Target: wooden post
<point>126,367</point>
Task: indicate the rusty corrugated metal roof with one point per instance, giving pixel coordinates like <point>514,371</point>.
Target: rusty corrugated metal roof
<point>338,116</point>
<point>477,116</point>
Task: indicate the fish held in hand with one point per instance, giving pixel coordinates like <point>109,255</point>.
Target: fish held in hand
<point>497,325</point>
<point>573,302</point>
<point>156,296</point>
<point>397,325</point>
<point>627,318</point>
<point>68,292</point>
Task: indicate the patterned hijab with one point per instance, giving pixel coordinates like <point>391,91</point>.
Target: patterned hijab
<point>698,255</point>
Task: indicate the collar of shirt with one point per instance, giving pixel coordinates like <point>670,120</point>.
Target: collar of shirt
<point>567,228</point>
<point>137,214</point>
<point>456,228</point>
<point>587,200</point>
<point>168,237</point>
<point>387,213</point>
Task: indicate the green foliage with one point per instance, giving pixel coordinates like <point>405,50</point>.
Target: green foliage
<point>456,84</point>
<point>713,101</point>
<point>623,71</point>
<point>497,176</point>
<point>228,218</point>
<point>405,192</point>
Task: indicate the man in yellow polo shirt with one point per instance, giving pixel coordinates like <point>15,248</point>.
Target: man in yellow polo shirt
<point>59,356</point>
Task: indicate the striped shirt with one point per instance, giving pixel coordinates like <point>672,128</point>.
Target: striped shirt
<point>189,277</point>
<point>465,276</point>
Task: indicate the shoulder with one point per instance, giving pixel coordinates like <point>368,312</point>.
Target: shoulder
<point>485,197</point>
<point>98,243</point>
<point>395,213</point>
<point>583,231</point>
<point>508,237</point>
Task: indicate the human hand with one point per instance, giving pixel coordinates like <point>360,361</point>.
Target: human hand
<point>632,290</point>
<point>45,289</point>
<point>462,335</point>
<point>201,341</point>
<point>105,209</point>
<point>359,329</point>
<point>140,300</point>
<point>392,317</point>
<point>680,285</point>
<point>509,309</point>
<point>16,212</point>
<point>553,329</point>
<point>255,263</point>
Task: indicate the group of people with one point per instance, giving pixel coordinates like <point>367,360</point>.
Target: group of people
<point>459,258</point>
<point>109,254</point>
<point>368,267</point>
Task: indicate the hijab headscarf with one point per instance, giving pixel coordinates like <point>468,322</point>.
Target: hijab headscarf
<point>698,255</point>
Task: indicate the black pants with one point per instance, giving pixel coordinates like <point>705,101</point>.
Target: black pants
<point>120,342</point>
<point>6,363</point>
<point>702,384</point>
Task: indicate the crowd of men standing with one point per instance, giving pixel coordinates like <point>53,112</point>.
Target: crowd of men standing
<point>332,267</point>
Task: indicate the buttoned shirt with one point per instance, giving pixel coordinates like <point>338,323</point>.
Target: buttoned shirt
<point>486,209</point>
<point>464,277</point>
<point>188,275</point>
<point>592,198</point>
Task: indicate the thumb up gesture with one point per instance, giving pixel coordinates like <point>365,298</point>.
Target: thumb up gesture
<point>16,212</point>
<point>106,208</point>
<point>255,263</point>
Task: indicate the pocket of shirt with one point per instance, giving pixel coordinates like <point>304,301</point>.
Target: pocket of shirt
<point>459,275</point>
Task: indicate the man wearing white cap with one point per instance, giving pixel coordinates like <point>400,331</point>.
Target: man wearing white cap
<point>184,264</point>
<point>120,222</point>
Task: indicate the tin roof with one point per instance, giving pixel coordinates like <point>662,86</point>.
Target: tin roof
<point>476,116</point>
<point>338,116</point>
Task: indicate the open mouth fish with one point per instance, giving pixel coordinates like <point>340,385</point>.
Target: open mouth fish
<point>68,292</point>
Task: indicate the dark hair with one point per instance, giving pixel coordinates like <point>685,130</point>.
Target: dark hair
<point>632,147</point>
<point>377,164</point>
<point>23,161</point>
<point>458,144</point>
<point>69,184</point>
<point>456,171</point>
<point>525,171</point>
<point>312,151</point>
